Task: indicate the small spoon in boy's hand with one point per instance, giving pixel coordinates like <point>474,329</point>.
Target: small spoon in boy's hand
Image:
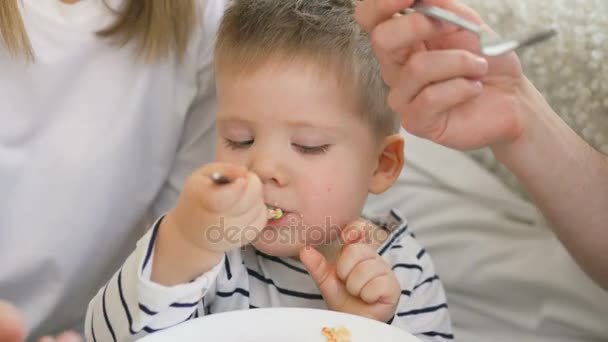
<point>219,178</point>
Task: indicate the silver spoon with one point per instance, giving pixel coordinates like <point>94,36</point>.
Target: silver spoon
<point>490,46</point>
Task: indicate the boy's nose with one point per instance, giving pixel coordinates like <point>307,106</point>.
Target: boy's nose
<point>269,168</point>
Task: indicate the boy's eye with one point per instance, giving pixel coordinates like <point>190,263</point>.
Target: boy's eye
<point>235,145</point>
<point>312,149</point>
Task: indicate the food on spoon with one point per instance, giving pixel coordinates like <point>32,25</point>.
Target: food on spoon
<point>275,213</point>
<point>339,334</point>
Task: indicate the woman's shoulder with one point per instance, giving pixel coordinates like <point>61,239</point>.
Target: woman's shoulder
<point>210,13</point>
<point>209,16</point>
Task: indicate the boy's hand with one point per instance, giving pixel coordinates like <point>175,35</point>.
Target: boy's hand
<point>208,220</point>
<point>360,282</point>
<point>219,218</point>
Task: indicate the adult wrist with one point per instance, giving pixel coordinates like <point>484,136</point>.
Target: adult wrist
<point>536,124</point>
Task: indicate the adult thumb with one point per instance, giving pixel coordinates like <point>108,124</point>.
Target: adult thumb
<point>324,275</point>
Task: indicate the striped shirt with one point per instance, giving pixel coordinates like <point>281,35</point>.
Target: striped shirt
<point>131,305</point>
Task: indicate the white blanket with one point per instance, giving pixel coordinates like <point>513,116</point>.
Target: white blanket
<point>507,276</point>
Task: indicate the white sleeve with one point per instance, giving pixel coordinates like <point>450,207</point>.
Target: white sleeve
<point>131,305</point>
<point>423,308</point>
<point>197,142</point>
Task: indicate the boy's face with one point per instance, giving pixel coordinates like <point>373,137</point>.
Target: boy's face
<point>298,130</point>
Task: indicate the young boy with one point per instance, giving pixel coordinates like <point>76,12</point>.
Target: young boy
<point>302,127</point>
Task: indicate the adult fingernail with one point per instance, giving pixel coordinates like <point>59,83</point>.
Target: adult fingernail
<point>481,63</point>
<point>477,86</point>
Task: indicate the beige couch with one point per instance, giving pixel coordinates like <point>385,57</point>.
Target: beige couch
<point>571,70</point>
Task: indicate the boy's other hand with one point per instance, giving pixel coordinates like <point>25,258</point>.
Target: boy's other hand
<point>360,282</point>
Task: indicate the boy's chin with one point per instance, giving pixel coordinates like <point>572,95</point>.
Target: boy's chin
<point>278,250</point>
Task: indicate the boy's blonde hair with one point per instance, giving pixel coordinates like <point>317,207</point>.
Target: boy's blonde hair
<point>158,26</point>
<point>324,32</point>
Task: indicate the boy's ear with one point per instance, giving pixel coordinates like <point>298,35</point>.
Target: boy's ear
<point>389,164</point>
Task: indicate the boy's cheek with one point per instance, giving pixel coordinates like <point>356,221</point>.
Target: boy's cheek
<point>325,207</point>
<point>225,155</point>
<point>221,152</point>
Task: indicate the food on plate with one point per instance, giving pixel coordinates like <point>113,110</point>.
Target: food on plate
<point>339,334</point>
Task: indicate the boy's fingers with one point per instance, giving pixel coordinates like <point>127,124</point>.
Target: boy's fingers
<point>251,197</point>
<point>357,231</point>
<point>230,171</point>
<point>215,197</point>
<point>362,274</point>
<point>324,276</point>
<point>350,256</point>
<point>317,266</point>
<point>351,236</point>
<point>220,198</point>
<point>380,290</point>
<point>256,225</point>
<point>365,232</point>
<point>370,13</point>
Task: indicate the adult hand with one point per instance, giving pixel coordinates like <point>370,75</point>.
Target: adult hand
<point>12,327</point>
<point>446,93</point>
<point>441,87</point>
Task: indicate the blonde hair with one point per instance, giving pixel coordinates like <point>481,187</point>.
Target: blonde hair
<point>252,32</point>
<point>158,26</point>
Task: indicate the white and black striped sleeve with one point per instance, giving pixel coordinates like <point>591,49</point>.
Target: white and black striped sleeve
<point>131,305</point>
<point>422,309</point>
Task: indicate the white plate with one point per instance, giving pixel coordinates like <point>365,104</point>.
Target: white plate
<point>278,325</point>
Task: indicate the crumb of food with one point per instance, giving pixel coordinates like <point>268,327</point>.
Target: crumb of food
<point>339,334</point>
<point>275,213</point>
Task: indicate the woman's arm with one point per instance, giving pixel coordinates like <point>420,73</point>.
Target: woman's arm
<point>197,143</point>
<point>12,325</point>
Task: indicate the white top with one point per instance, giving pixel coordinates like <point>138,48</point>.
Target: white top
<point>90,140</point>
<point>131,306</point>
